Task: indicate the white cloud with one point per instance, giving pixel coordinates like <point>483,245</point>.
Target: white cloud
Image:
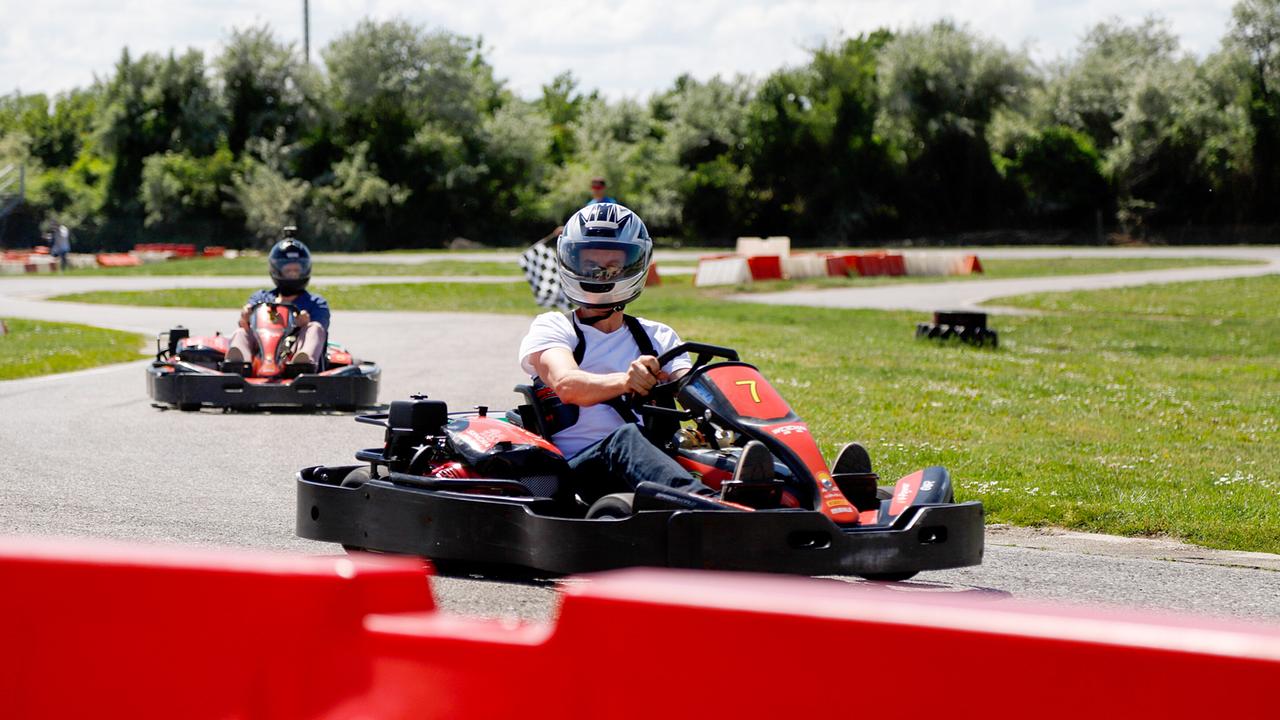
<point>625,48</point>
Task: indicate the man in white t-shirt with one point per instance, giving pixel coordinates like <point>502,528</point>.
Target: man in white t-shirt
<point>596,355</point>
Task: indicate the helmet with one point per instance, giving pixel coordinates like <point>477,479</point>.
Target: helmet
<point>604,254</point>
<point>290,263</point>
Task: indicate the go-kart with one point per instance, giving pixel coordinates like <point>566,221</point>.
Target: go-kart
<point>476,490</point>
<point>192,372</point>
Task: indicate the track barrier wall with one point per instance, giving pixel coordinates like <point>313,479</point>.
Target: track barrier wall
<point>104,630</point>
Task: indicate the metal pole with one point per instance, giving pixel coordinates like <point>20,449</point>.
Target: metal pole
<point>306,31</point>
<point>22,183</point>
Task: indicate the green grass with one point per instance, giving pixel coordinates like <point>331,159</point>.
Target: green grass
<point>1146,411</point>
<point>38,348</point>
<point>258,266</point>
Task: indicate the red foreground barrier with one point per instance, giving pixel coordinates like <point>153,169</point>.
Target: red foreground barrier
<point>112,631</point>
<point>118,260</point>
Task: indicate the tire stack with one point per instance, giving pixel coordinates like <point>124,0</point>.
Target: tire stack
<point>969,327</point>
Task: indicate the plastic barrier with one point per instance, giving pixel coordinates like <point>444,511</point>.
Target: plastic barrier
<point>719,270</point>
<point>765,267</point>
<point>779,245</point>
<point>214,251</point>
<point>101,630</point>
<point>652,278</point>
<point>837,266</point>
<point>118,259</point>
<point>804,265</point>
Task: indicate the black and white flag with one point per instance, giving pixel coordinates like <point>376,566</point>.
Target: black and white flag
<point>539,265</point>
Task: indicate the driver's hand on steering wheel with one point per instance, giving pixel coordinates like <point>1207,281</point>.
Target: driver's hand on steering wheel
<point>644,373</point>
<point>303,318</point>
<point>244,316</point>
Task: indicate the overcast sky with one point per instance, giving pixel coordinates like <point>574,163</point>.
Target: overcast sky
<point>624,48</point>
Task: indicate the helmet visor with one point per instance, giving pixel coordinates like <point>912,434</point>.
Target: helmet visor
<point>601,261</point>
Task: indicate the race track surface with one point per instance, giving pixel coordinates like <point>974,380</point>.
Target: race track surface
<point>85,454</point>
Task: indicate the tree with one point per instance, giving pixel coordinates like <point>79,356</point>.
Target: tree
<point>264,86</point>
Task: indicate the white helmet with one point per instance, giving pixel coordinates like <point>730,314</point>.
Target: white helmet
<point>604,255</point>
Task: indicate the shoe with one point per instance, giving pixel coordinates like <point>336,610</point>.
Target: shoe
<point>234,355</point>
<point>300,358</point>
<point>755,465</point>
<point>853,459</point>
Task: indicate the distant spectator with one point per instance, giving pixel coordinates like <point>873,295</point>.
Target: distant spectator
<point>61,244</point>
<point>597,192</point>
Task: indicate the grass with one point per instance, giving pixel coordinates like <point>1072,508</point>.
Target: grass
<point>258,266</point>
<point>1144,411</point>
<point>39,348</point>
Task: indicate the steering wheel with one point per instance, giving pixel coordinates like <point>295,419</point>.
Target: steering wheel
<point>289,307</point>
<point>660,399</point>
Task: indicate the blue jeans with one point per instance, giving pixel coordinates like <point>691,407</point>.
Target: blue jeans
<point>623,459</point>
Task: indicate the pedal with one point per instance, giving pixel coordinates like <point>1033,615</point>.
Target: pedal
<point>242,369</point>
<point>293,370</point>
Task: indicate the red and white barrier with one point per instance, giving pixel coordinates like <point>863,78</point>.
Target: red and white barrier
<point>93,629</point>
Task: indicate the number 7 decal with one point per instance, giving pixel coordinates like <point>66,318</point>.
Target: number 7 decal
<point>751,384</point>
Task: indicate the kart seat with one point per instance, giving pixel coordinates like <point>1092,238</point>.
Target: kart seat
<point>529,415</point>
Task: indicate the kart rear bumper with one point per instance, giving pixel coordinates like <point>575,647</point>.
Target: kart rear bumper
<point>513,532</point>
<point>352,388</point>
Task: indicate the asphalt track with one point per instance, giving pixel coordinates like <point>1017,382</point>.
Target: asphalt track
<point>85,454</point>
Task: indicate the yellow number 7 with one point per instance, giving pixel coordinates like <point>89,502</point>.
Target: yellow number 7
<point>751,384</point>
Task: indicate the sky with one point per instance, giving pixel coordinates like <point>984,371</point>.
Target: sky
<point>623,48</point>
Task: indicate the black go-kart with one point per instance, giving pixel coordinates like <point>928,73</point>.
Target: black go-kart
<point>478,491</point>
<point>192,372</point>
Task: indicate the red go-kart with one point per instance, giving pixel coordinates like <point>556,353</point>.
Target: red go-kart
<point>191,372</point>
<point>485,491</point>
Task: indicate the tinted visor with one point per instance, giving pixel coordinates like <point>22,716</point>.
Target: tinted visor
<point>601,261</point>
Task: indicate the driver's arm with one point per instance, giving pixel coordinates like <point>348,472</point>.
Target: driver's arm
<point>576,386</point>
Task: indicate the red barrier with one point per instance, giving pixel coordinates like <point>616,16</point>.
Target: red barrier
<point>765,267</point>
<point>118,259</point>
<point>97,630</point>
<point>653,278</point>
<point>894,264</point>
<point>214,251</point>
<point>837,266</point>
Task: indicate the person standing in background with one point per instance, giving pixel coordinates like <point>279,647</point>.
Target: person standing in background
<point>597,192</point>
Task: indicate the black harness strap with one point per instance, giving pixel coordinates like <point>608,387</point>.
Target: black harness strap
<point>642,341</point>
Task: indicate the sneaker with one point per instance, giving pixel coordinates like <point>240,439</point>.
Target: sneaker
<point>755,465</point>
<point>853,459</point>
<point>234,355</point>
<point>300,358</point>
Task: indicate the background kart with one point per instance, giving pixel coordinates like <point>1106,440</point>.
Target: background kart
<point>474,489</point>
<point>191,372</point>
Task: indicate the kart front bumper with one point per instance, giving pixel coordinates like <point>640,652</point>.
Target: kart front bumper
<point>504,531</point>
<point>354,387</point>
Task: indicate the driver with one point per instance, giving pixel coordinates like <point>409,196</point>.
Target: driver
<point>290,265</point>
<point>594,355</point>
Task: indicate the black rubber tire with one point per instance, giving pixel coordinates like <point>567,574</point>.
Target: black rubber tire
<point>612,507</point>
<point>889,577</point>
<point>357,477</point>
<point>189,407</point>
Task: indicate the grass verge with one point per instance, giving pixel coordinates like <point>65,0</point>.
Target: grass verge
<point>38,348</point>
<point>1142,411</point>
<point>258,266</point>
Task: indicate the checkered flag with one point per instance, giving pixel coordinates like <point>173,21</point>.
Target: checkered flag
<point>539,265</point>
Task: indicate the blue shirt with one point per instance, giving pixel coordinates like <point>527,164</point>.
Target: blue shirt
<point>315,305</point>
<point>605,199</point>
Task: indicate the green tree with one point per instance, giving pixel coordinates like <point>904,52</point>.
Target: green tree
<point>265,86</point>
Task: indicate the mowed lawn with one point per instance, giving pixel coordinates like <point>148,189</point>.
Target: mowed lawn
<point>38,348</point>
<point>1146,411</point>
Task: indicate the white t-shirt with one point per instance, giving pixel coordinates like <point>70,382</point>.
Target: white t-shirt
<point>606,353</point>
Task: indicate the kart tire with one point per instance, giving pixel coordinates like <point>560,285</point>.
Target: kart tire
<point>888,577</point>
<point>189,407</point>
<point>612,507</point>
<point>357,477</point>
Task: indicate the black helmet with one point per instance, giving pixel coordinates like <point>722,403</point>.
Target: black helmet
<point>290,263</point>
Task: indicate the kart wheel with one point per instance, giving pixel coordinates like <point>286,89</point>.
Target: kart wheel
<point>357,477</point>
<point>888,577</point>
<point>189,407</point>
<point>612,507</point>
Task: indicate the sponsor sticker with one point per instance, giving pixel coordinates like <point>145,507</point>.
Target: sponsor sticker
<point>926,486</point>
<point>789,429</point>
